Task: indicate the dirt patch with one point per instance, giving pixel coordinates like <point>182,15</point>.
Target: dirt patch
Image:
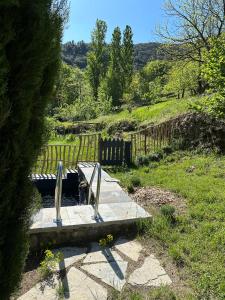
<point>156,197</point>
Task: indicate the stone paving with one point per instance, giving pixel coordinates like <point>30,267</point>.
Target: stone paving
<point>91,272</point>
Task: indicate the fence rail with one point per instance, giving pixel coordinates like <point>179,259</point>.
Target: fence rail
<point>153,138</point>
<point>84,148</point>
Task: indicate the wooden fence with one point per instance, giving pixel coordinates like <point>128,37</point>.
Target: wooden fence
<point>83,148</point>
<point>153,138</point>
<point>92,148</point>
<point>114,152</point>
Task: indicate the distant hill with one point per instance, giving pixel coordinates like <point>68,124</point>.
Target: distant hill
<point>75,54</point>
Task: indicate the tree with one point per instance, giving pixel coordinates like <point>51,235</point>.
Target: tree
<point>153,78</point>
<point>194,22</point>
<point>182,77</point>
<point>97,57</point>
<point>127,56</point>
<point>214,72</point>
<point>115,72</point>
<point>70,85</point>
<point>29,56</point>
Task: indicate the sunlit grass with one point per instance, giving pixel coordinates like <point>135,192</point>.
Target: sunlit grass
<point>197,242</point>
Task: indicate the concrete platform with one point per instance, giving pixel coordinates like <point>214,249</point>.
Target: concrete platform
<point>117,213</point>
<point>75,216</point>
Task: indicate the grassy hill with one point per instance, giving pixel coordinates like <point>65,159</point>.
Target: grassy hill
<point>155,114</point>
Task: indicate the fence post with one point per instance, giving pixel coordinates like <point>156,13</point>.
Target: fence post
<point>99,148</point>
<point>145,143</point>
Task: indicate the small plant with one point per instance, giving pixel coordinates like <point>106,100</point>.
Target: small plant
<point>135,181</point>
<point>106,241</point>
<point>48,265</point>
<point>168,211</point>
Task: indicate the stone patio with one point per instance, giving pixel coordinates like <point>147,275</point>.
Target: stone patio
<point>90,274</point>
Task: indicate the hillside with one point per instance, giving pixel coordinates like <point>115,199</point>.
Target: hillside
<point>75,54</point>
<point>152,114</point>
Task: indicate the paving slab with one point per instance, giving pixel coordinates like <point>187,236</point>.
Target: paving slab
<point>78,286</point>
<point>112,273</point>
<point>46,290</point>
<point>131,249</point>
<point>149,274</point>
<point>98,254</point>
<point>70,256</point>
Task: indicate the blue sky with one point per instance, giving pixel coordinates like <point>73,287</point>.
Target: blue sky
<point>141,15</point>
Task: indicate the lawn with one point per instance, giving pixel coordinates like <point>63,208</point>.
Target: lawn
<point>196,239</point>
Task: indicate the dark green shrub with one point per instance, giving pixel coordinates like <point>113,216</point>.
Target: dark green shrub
<point>135,181</point>
<point>30,55</point>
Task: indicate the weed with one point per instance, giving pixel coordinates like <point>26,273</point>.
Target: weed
<point>107,241</point>
<point>48,265</point>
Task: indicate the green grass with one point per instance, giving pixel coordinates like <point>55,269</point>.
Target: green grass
<point>197,240</point>
<point>152,114</point>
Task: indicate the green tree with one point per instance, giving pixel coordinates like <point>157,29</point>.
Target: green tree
<point>128,56</point>
<point>115,72</point>
<point>153,79</point>
<point>30,39</point>
<point>214,72</point>
<point>183,77</point>
<point>70,85</point>
<point>190,26</point>
<point>97,57</point>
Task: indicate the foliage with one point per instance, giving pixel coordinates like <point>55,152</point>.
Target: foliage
<point>115,76</point>
<point>196,240</point>
<point>107,241</point>
<point>153,113</point>
<point>71,85</point>
<point>214,72</point>
<point>29,58</point>
<point>75,54</point>
<point>183,77</point>
<point>127,57</point>
<point>96,60</point>
<point>50,262</point>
